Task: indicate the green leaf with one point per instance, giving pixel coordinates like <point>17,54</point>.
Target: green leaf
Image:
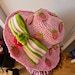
<point>39,44</point>
<point>21,23</point>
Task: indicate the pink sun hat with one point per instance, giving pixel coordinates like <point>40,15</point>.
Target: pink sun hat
<point>48,29</point>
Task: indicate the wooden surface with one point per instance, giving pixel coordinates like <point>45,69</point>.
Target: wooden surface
<point>63,68</point>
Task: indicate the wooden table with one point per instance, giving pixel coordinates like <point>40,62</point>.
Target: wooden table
<point>63,68</point>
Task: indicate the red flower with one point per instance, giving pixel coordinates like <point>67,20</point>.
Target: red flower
<point>47,61</point>
<point>50,51</point>
<point>42,16</point>
<point>54,34</point>
<point>60,27</point>
<point>38,36</point>
<point>55,47</point>
<point>17,44</point>
<point>15,51</point>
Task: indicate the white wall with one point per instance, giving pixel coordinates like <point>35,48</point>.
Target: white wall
<point>64,8</point>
